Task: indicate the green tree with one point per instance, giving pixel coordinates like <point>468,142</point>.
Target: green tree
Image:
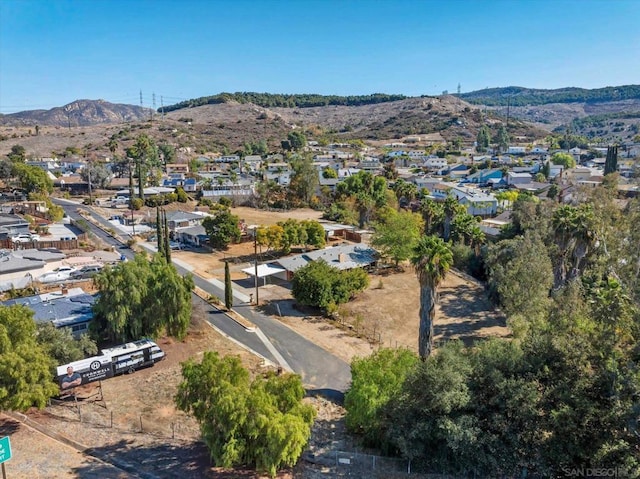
<point>305,179</point>
<point>520,275</point>
<point>397,234</point>
<point>564,159</point>
<point>428,419</point>
<point>451,208</point>
<point>97,174</point>
<point>611,163</point>
<point>297,140</point>
<point>223,229</point>
<point>329,173</point>
<point>167,153</point>
<point>32,178</point>
<point>483,139</point>
<point>432,214</point>
<point>25,367</point>
<point>166,249</point>
<point>182,195</point>
<point>368,191</point>
<point>261,422</point>
<point>61,346</point>
<point>431,260</point>
<point>144,153</point>
<point>17,154</point>
<point>322,286</point>
<point>142,298</point>
<point>375,381</point>
<point>228,288</point>
<point>502,138</point>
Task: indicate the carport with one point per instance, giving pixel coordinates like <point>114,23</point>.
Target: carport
<point>265,270</point>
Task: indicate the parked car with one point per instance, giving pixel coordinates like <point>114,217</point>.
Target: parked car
<point>86,272</point>
<point>175,245</point>
<point>25,238</point>
<point>63,273</point>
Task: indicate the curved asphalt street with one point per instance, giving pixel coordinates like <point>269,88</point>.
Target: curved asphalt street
<point>321,371</point>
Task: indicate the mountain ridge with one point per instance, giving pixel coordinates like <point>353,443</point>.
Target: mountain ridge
<point>78,113</point>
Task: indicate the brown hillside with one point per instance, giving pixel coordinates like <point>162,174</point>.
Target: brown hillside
<point>227,126</point>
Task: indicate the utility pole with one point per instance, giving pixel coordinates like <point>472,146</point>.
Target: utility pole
<point>255,251</point>
<point>153,102</point>
<point>133,223</point>
<point>89,178</point>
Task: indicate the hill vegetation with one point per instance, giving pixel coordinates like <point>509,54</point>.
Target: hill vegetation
<point>271,100</point>
<point>520,96</point>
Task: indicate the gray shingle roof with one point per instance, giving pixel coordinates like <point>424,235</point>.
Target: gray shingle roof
<point>353,256</point>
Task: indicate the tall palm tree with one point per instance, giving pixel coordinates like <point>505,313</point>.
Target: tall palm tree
<point>451,208</point>
<point>431,260</point>
<point>432,214</point>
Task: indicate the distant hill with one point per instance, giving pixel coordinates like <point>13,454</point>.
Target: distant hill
<point>79,113</point>
<point>446,115</point>
<point>231,125</point>
<point>520,96</point>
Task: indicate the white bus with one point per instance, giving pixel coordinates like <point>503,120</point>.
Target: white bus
<point>125,358</point>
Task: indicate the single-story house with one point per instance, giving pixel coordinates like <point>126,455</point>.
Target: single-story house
<point>65,309</point>
<point>182,219</point>
<point>194,235</point>
<point>340,257</point>
<point>18,268</point>
<point>11,225</point>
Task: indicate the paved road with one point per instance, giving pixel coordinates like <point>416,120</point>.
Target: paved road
<point>320,370</point>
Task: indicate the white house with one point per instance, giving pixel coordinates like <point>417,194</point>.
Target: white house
<point>517,150</point>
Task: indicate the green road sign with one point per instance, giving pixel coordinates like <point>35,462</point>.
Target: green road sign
<point>5,449</point>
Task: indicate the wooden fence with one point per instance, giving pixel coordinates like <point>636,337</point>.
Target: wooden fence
<point>46,244</point>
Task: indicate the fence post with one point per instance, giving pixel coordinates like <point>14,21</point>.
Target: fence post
<point>111,421</point>
<point>141,430</point>
<point>173,431</point>
<point>374,462</point>
<point>79,413</point>
<point>409,467</point>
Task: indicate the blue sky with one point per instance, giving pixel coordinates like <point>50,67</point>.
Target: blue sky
<point>55,51</point>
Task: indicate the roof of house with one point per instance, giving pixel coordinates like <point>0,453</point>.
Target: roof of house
<point>197,230</point>
<point>352,256</point>
<point>182,216</point>
<point>62,309</point>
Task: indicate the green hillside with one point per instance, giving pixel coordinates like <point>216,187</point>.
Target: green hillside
<point>273,100</point>
<point>520,96</point>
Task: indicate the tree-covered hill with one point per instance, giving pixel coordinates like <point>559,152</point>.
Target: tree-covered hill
<point>520,96</point>
<point>271,100</point>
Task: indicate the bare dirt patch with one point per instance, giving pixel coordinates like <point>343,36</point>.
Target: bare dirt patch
<point>387,315</point>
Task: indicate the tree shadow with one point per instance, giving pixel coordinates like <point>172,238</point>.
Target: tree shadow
<point>288,307</point>
<point>8,426</point>
<point>186,460</point>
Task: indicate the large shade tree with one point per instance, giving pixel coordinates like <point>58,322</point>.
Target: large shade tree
<point>26,370</point>
<point>142,298</point>
<point>431,259</point>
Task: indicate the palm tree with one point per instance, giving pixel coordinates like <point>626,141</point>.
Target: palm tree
<point>451,208</point>
<point>432,214</point>
<point>431,260</point>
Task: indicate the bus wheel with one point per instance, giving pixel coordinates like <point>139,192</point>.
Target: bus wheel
<point>131,371</point>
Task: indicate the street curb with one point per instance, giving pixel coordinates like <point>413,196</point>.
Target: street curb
<point>238,318</point>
